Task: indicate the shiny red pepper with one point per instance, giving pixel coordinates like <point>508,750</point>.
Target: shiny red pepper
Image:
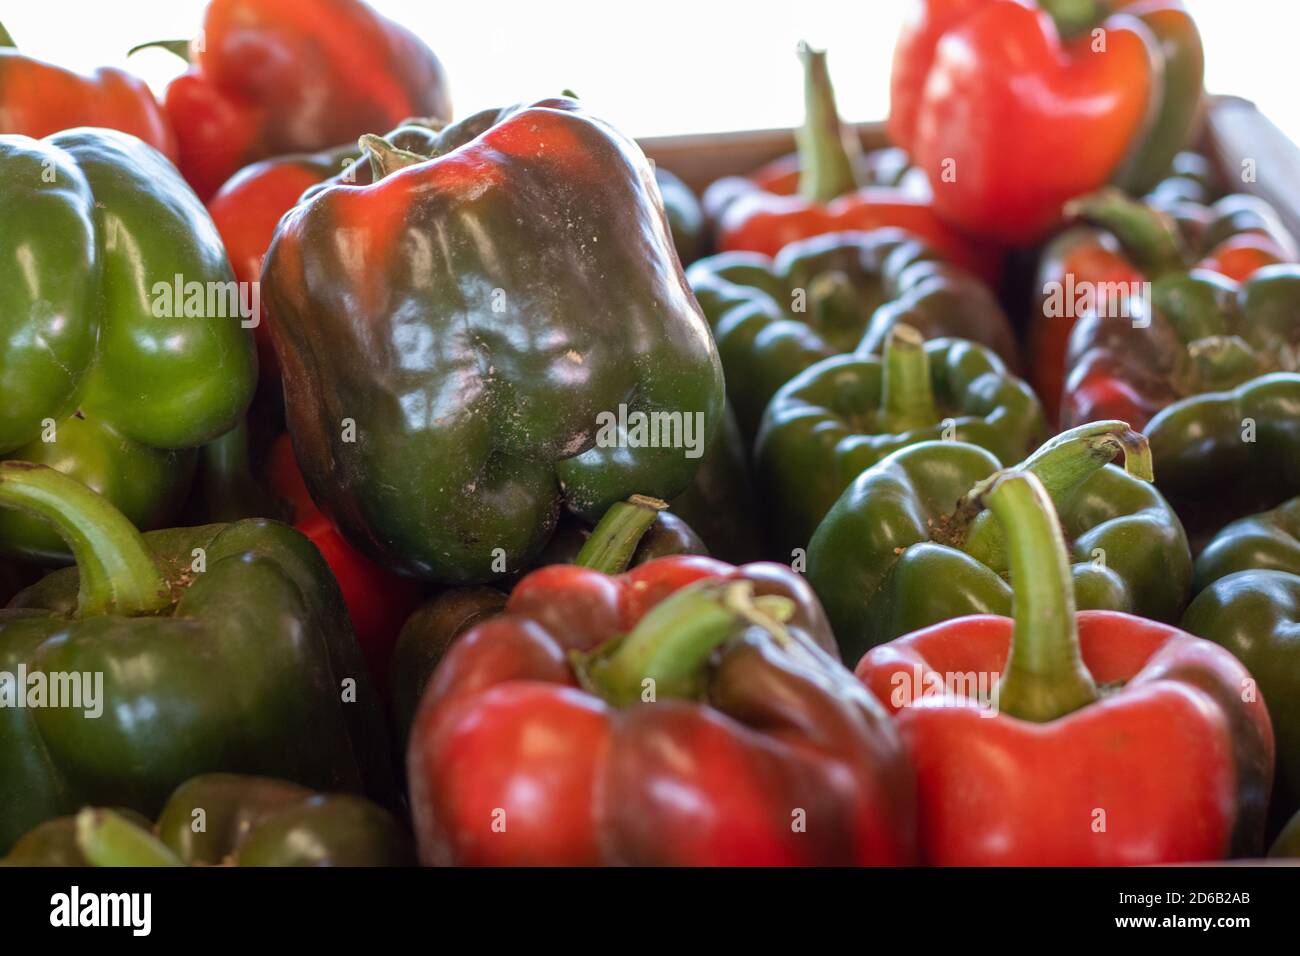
<point>721,730</point>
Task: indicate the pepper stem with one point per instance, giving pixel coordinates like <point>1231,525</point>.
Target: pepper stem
<point>1045,677</point>
<point>5,39</point>
<point>1073,17</point>
<point>614,540</point>
<point>180,48</point>
<point>834,306</point>
<point>827,149</point>
<point>907,394</point>
<point>1221,362</point>
<point>1062,465</point>
<point>665,654</point>
<point>385,158</point>
<point>106,838</point>
<point>1148,236</point>
<point>118,574</point>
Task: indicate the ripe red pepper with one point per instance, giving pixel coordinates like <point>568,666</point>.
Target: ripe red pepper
<point>1109,739</point>
<point>39,98</point>
<point>378,600</point>
<point>758,214</point>
<point>290,76</point>
<point>1010,117</point>
<point>721,730</point>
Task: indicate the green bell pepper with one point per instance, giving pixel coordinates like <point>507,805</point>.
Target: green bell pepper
<point>105,372</point>
<point>905,548</point>
<point>1269,541</point>
<point>223,647</point>
<point>832,294</point>
<point>225,819</point>
<point>685,216</point>
<point>844,414</point>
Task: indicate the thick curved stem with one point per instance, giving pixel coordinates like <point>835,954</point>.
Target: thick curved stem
<point>614,540</point>
<point>1148,236</point>
<point>826,150</point>
<point>106,838</point>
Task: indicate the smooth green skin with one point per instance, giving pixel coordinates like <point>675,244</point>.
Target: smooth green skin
<point>1256,616</point>
<point>828,295</point>
<point>880,573</point>
<point>1223,455</point>
<point>93,218</point>
<point>685,216</point>
<point>824,427</point>
<point>1269,541</point>
<point>244,672</point>
<point>719,504</point>
<point>232,819</point>
<point>477,414</point>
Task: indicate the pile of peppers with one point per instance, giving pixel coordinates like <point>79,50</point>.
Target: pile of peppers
<point>389,487</point>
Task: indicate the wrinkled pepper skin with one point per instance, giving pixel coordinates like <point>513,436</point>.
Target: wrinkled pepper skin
<point>247,821</point>
<point>709,770</point>
<point>38,99</point>
<point>831,294</point>
<point>98,376</point>
<point>895,554</point>
<point>242,665</point>
<point>1224,455</point>
<point>295,76</point>
<point>476,380</point>
<point>970,76</point>
<point>834,419</point>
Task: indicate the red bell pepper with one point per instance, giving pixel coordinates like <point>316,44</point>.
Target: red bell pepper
<point>1011,117</point>
<point>293,76</point>
<point>720,730</point>
<point>378,600</point>
<point>39,98</point>
<point>757,214</point>
<point>1107,739</point>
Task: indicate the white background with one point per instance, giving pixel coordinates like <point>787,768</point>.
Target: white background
<point>663,66</point>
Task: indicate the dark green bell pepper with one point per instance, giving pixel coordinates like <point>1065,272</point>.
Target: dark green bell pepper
<point>832,294</point>
<point>1269,541</point>
<point>225,819</point>
<point>844,414</point>
<point>904,548</point>
<point>223,647</point>
<point>105,373</point>
<point>685,216</point>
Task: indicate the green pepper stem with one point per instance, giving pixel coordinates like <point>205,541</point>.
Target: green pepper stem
<point>118,574</point>
<point>1148,236</point>
<point>826,149</point>
<point>1062,465</point>
<point>106,838</point>
<point>1073,17</point>
<point>180,48</point>
<point>1221,362</point>
<point>614,540</point>
<point>907,394</point>
<point>5,39</point>
<point>1045,677</point>
<point>665,654</point>
<point>385,158</point>
<point>833,302</point>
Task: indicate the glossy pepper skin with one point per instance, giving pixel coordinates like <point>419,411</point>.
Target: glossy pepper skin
<point>698,739</point>
<point>105,373</point>
<point>479,381</point>
<point>292,76</point>
<point>905,547</point>
<point>837,192</point>
<point>247,821</point>
<point>831,294</point>
<point>844,414</point>
<point>1027,761</point>
<point>970,76</point>
<point>38,99</point>
<point>685,216</point>
<point>234,656</point>
<point>1223,455</point>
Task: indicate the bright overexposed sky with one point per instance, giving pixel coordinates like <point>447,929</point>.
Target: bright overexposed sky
<point>671,66</point>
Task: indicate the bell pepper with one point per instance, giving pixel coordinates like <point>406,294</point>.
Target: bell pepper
<point>749,217</point>
<point>112,368</point>
<point>685,216</point>
<point>434,432</point>
<point>269,77</point>
<point>1223,455</point>
<point>378,601</point>
<point>831,294</point>
<point>1269,541</point>
<point>844,414</point>
<point>1063,739</point>
<point>687,712</point>
<point>1087,91</point>
<point>906,545</point>
<point>39,98</point>
<point>225,819</point>
<point>223,647</point>
<point>1095,275</point>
